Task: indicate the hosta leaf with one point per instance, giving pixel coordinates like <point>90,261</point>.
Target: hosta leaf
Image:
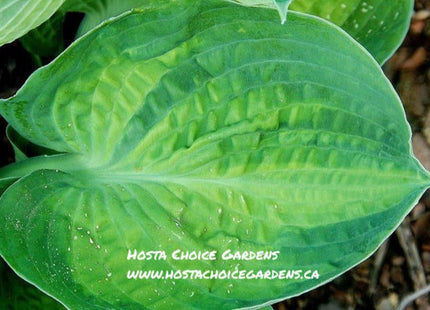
<point>83,6</point>
<point>204,126</point>
<point>47,39</point>
<point>16,294</point>
<point>24,148</point>
<point>21,146</point>
<point>108,9</point>
<point>97,11</point>
<point>17,17</point>
<point>378,25</point>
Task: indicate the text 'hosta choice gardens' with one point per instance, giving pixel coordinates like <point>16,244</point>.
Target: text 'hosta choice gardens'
<point>203,155</point>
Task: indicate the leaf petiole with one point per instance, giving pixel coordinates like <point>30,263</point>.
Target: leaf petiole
<point>65,162</point>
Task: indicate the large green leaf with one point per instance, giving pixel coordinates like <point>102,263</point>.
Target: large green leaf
<point>204,126</point>
<point>17,17</point>
<point>378,25</point>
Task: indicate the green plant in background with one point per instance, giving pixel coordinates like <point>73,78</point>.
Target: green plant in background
<point>16,294</point>
<point>17,17</point>
<point>207,126</point>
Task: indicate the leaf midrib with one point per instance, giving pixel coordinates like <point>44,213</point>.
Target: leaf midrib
<point>247,180</point>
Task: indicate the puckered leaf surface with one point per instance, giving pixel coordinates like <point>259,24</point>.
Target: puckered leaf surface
<point>204,126</point>
<point>17,17</point>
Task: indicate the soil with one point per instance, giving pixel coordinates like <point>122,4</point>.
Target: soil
<point>401,265</point>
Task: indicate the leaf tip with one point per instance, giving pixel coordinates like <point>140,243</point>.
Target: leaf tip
<point>282,7</point>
